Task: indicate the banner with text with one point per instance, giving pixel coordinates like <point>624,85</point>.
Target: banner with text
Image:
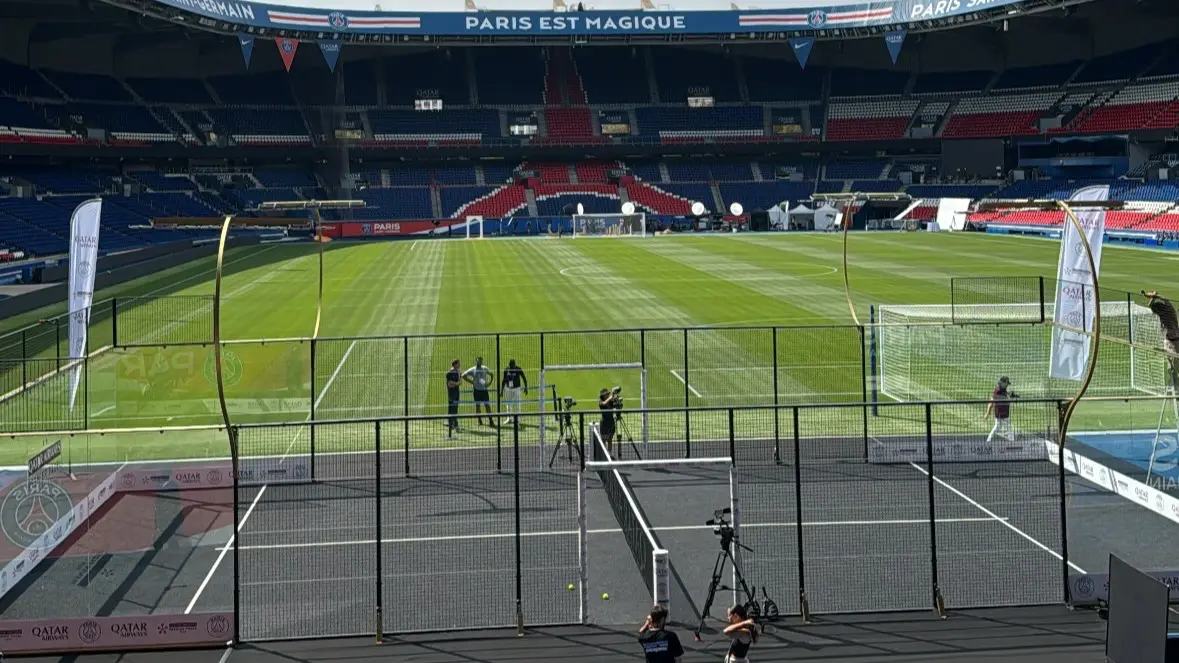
<point>1075,281</point>
<point>894,40</point>
<point>331,53</point>
<point>84,227</point>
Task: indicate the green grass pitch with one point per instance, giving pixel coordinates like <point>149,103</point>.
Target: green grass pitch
<point>474,288</point>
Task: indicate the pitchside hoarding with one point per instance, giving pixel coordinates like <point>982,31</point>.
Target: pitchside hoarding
<point>426,18</point>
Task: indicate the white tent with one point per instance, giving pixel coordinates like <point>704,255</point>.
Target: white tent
<point>801,217</point>
<point>826,217</point>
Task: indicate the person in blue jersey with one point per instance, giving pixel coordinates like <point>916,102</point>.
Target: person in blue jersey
<point>659,644</point>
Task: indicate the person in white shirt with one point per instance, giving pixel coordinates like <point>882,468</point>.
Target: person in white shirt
<point>481,378</point>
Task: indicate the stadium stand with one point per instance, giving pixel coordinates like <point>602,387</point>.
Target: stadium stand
<point>879,119</point>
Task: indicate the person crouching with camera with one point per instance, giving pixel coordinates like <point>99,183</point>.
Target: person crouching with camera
<point>609,401</point>
<point>659,644</point>
<point>742,632</point>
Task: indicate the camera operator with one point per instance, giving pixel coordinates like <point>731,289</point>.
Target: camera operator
<point>609,402</point>
<point>659,644</point>
<point>1000,405</point>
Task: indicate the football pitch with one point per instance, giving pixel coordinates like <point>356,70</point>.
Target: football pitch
<point>395,314</point>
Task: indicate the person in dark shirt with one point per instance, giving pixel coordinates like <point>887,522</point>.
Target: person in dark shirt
<point>659,644</point>
<point>1000,406</point>
<point>1169,322</point>
<point>454,380</point>
<point>742,632</point>
<point>510,387</point>
<point>608,403</point>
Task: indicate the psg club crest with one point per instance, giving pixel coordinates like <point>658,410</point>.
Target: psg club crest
<point>366,229</point>
<point>338,21</point>
<point>31,508</point>
<point>288,46</point>
<point>817,18</point>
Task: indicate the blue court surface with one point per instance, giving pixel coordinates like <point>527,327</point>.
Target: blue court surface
<point>1136,447</point>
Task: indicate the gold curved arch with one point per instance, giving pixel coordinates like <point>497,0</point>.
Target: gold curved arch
<point>218,369</point>
<point>851,306</point>
<point>1095,334</point>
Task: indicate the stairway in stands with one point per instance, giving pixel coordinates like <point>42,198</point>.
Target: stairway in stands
<point>566,114</point>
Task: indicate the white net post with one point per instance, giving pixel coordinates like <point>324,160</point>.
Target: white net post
<point>735,505</point>
<point>582,549</point>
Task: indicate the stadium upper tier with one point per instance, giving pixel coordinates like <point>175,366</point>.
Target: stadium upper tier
<point>591,95</point>
<point>35,203</point>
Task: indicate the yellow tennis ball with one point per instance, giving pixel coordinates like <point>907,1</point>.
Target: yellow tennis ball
<point>605,596</point>
<point>570,587</point>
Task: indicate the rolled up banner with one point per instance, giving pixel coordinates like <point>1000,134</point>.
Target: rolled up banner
<point>1075,283</point>
<point>84,226</point>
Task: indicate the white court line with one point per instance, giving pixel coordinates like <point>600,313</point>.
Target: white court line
<point>690,387</point>
<point>991,514</point>
<point>678,528</point>
<point>242,523</point>
<point>414,245</point>
<point>319,399</point>
<point>103,411</point>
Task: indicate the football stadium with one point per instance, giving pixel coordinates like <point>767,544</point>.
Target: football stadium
<point>460,331</point>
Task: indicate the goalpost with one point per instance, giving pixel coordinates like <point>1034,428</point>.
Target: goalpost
<point>610,225</point>
<point>546,378</point>
<point>942,352</point>
<point>475,222</point>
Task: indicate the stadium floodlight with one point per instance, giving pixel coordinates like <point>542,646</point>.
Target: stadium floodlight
<point>580,209</point>
<point>628,207</point>
<point>698,209</point>
<point>736,209</point>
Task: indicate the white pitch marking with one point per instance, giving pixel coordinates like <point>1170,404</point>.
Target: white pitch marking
<point>204,583</point>
<point>690,387</point>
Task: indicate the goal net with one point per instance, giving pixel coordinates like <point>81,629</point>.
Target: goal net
<point>610,225</point>
<point>923,355</point>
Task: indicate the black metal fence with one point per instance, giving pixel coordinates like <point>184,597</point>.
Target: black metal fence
<point>424,532</point>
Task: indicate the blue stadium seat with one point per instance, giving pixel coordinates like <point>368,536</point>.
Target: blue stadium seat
<point>854,169</point>
<point>731,172</point>
<point>157,182</point>
<point>963,81</point>
<point>399,203</point>
<point>270,89</point>
<point>691,191</point>
<point>950,190</point>
<point>454,197</point>
<point>454,175</point>
<point>647,171</point>
<point>680,171</point>
<point>15,113</point>
<point>764,195</point>
<point>448,122</point>
<point>684,121</point>
<point>409,176</point>
<point>289,179</point>
<point>876,186</point>
<point>593,203</point>
<point>497,173</point>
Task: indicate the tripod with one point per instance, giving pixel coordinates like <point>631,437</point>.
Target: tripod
<point>567,435</point>
<point>726,554</point>
<point>623,432</point>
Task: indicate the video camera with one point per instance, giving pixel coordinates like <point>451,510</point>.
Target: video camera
<point>569,402</point>
<point>722,527</point>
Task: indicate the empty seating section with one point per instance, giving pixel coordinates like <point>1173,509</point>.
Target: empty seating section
<point>504,201</point>
<point>397,203</point>
<point>550,173</point>
<point>290,179</point>
<point>248,125</point>
<point>1165,223</point>
<point>455,125</point>
<point>1134,107</point>
<point>454,197</point>
<point>882,119</point>
<point>698,123</point>
<point>497,173</point>
<point>832,186</point>
<point>951,81</point>
<point>360,82</point>
<point>270,89</point>
<point>88,87</point>
<point>314,84</point>
<point>679,171</point>
<point>763,195</point>
<point>613,75</point>
<point>732,172</point>
<point>443,72</point>
<point>999,115</point>
<point>854,170</point>
<point>949,190</point>
<point>407,176</point>
<point>1120,219</point>
<point>568,124</point>
<point>454,175</point>
<point>16,113</point>
<point>867,82</point>
<point>681,72</point>
<point>594,172</point>
<point>781,80</point>
<point>170,90</point>
<point>657,200</point>
<point>17,79</point>
<point>510,75</point>
<point>1031,77</point>
<point>550,202</point>
<point>157,182</point>
<point>876,186</point>
<point>119,119</point>
<point>1118,66</point>
<point>691,191</point>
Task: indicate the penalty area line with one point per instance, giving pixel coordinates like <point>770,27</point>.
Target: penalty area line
<point>690,387</point>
